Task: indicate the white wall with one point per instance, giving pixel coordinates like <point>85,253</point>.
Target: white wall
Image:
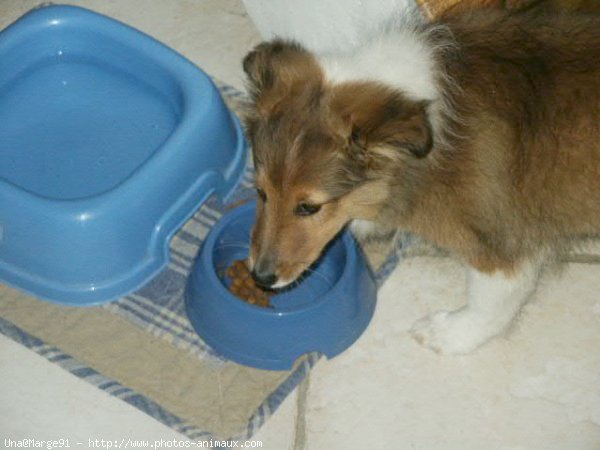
<point>324,25</point>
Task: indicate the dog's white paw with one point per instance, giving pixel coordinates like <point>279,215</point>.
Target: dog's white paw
<point>449,333</point>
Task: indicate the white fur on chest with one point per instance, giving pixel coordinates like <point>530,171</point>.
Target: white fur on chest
<point>363,228</point>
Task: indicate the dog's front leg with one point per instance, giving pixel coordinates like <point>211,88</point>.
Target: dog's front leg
<point>493,300</point>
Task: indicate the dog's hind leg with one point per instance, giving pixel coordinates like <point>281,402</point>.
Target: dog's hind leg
<point>493,300</point>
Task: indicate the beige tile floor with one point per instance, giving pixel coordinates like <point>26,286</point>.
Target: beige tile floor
<point>536,388</point>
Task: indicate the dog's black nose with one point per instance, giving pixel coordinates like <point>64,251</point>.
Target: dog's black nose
<point>264,279</point>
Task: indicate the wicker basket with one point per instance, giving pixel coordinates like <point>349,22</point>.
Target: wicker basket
<point>434,9</point>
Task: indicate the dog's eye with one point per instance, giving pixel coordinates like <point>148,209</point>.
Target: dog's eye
<point>261,194</point>
<point>305,209</point>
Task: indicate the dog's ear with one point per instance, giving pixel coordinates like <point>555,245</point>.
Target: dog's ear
<point>260,64</point>
<point>277,70</point>
<point>379,121</point>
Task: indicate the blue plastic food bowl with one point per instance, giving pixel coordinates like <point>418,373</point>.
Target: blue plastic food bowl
<point>326,312</point>
<point>109,141</point>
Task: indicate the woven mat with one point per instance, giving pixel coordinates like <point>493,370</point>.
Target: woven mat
<point>142,349</point>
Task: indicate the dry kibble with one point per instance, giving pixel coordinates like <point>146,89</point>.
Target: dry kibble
<point>244,287</point>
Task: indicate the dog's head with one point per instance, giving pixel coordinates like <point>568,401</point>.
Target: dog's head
<point>324,153</point>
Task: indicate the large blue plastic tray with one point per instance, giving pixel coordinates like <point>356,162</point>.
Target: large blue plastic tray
<point>109,141</point>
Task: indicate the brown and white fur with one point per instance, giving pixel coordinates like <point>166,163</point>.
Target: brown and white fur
<point>480,134</point>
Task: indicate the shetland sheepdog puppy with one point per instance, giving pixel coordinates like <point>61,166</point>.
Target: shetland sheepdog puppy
<point>479,133</point>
